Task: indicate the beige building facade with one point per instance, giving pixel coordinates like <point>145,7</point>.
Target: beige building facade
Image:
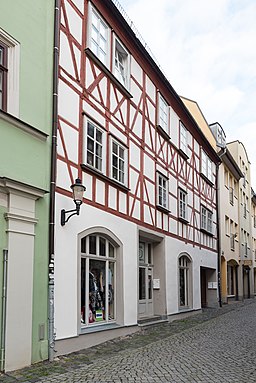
<point>236,212</point>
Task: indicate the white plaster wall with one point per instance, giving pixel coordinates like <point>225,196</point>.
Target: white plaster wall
<point>200,258</point>
<point>66,263</point>
<point>75,23</point>
<point>68,103</point>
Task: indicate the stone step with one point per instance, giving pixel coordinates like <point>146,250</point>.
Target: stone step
<point>149,321</point>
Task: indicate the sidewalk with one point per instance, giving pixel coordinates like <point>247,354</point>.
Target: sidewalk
<point>106,350</point>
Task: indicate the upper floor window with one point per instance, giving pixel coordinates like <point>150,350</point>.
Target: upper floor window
<point>162,196</point>
<point>206,166</point>
<point>163,114</point>
<point>3,76</point>
<point>99,36</point>
<point>232,241</point>
<point>206,219</point>
<point>121,63</point>
<point>183,139</point>
<point>231,195</point>
<point>118,162</point>
<point>9,73</point>
<point>183,204</point>
<point>94,146</point>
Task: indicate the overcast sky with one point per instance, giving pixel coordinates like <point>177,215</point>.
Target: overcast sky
<point>207,50</point>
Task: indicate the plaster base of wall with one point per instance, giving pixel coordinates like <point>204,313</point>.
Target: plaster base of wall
<point>83,341</point>
<point>184,314</point>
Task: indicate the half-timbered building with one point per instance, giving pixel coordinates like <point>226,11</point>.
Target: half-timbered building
<point>145,243</point>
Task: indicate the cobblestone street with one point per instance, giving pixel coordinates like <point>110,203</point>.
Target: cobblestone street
<point>218,345</point>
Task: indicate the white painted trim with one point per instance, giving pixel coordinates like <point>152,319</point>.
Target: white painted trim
<point>13,72</point>
<point>19,188</point>
<point>23,126</point>
<point>23,218</point>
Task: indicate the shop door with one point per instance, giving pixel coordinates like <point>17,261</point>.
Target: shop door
<point>203,288</point>
<point>145,280</point>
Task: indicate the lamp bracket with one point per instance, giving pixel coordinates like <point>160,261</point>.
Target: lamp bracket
<point>63,219</point>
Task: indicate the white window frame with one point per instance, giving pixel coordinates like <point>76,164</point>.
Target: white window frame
<point>162,191</point>
<point>183,208</point>
<point>13,65</point>
<point>206,220</point>
<point>101,23</point>
<point>119,160</point>
<point>206,166</point>
<point>183,139</point>
<point>95,143</point>
<point>163,114</point>
<point>124,80</point>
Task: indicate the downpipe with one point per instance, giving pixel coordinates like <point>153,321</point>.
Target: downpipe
<point>51,331</point>
<point>3,316</point>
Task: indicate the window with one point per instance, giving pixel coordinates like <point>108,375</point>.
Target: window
<point>118,162</point>
<point>244,180</point>
<point>184,282</point>
<point>232,241</point>
<point>231,195</point>
<point>245,209</point>
<point>99,37</point>
<point>245,249</point>
<point>9,73</point>
<point>98,268</point>
<point>183,139</point>
<point>206,166</point>
<point>121,63</point>
<point>227,226</point>
<point>183,204</point>
<point>3,76</point>
<point>206,220</point>
<point>163,114</point>
<point>162,191</point>
<point>94,146</point>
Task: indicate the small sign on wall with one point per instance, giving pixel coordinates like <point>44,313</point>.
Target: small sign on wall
<point>156,284</point>
<point>212,285</point>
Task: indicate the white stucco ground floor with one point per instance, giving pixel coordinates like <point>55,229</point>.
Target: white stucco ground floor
<point>112,274</point>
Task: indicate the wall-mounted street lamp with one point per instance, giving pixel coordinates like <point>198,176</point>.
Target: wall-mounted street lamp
<point>78,192</point>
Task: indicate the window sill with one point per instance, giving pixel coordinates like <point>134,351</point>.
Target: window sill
<point>183,154</point>
<point>92,328</point>
<point>95,172</point>
<point>23,125</point>
<point>122,89</point>
<point>163,209</point>
<point>206,232</point>
<point>206,179</point>
<point>163,133</point>
<point>183,220</point>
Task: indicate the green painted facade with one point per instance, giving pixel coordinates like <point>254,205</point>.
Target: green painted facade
<point>25,153</point>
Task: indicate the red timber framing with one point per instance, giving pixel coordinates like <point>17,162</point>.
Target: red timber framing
<point>130,116</point>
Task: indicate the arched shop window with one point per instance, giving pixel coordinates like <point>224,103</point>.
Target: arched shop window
<point>184,282</point>
<point>98,280</point>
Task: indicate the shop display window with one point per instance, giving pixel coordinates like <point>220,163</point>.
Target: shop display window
<point>98,264</point>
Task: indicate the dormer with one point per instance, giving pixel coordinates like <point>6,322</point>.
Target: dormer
<point>219,134</point>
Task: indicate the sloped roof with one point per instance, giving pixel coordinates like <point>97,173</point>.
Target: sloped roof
<point>196,112</point>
